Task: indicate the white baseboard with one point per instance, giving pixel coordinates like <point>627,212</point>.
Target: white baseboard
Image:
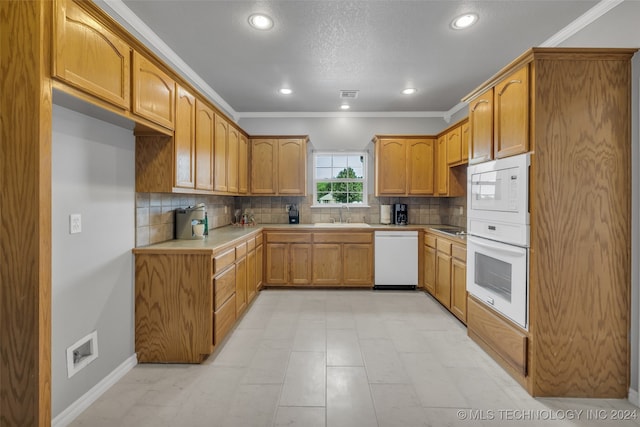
<point>65,417</point>
<point>634,397</point>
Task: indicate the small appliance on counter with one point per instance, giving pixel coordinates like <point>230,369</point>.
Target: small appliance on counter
<point>400,214</point>
<point>191,223</point>
<point>385,214</point>
<point>294,215</point>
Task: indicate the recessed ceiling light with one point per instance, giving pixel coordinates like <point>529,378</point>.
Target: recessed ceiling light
<point>260,21</point>
<point>409,91</point>
<point>464,21</point>
<point>344,107</point>
<point>285,91</point>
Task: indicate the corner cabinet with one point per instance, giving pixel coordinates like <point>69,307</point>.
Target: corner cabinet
<point>89,57</point>
<point>404,165</point>
<point>451,159</point>
<point>278,165</point>
<point>577,343</point>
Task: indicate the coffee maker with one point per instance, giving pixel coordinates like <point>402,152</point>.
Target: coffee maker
<point>400,214</point>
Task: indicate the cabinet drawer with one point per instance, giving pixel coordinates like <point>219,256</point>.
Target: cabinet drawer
<point>241,250</point>
<point>223,320</point>
<point>443,246</point>
<point>288,237</point>
<point>430,240</point>
<point>259,239</point>
<point>459,252</point>
<point>342,237</point>
<point>251,244</point>
<point>224,286</point>
<point>498,334</point>
<point>221,261</point>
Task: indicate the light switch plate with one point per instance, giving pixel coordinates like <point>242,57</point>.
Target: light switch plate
<point>75,223</point>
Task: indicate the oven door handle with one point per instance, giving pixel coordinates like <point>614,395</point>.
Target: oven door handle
<point>501,248</point>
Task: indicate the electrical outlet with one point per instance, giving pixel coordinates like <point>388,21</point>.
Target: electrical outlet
<point>75,223</point>
<point>460,210</point>
<point>226,209</point>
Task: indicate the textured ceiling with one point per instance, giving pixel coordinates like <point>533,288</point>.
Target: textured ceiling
<point>318,48</point>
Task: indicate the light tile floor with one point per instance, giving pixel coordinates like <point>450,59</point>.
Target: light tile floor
<point>352,358</point>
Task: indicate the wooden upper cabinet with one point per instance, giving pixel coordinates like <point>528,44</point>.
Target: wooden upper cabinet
<point>243,165</point>
<point>454,146</point>
<point>464,137</point>
<point>481,124</point>
<point>220,154</point>
<point>264,166</point>
<point>204,146</point>
<point>442,168</point>
<point>420,158</point>
<point>233,142</point>
<point>184,139</point>
<point>153,92</point>
<point>391,167</point>
<point>292,167</point>
<point>511,114</point>
<point>90,57</point>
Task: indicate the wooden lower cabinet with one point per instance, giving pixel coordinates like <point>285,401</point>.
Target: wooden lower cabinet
<point>259,264</point>
<point>445,273</point>
<point>187,302</point>
<point>327,264</point>
<point>329,259</point>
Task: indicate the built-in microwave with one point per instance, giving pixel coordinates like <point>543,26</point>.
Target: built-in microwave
<point>498,199</point>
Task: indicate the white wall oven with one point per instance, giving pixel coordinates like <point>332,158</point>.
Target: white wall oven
<point>498,235</point>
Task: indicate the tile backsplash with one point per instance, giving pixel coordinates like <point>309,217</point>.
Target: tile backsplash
<point>155,215</point>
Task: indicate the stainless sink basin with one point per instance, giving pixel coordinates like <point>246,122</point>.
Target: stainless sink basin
<point>341,224</point>
<point>451,230</point>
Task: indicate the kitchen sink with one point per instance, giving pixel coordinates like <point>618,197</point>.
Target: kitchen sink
<point>341,224</point>
<point>451,230</point>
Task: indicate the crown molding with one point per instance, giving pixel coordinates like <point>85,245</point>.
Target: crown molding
<point>332,114</point>
<point>581,22</point>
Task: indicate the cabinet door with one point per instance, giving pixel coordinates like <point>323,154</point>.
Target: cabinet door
<point>391,161</point>
<point>292,167</point>
<point>442,168</point>
<point>481,125</point>
<point>511,115</point>
<point>420,158</point>
<point>454,146</point>
<point>464,136</point>
<point>327,259</point>
<point>264,166</point>
<point>430,270</point>
<point>204,146</point>
<point>459,289</point>
<point>443,279</point>
<point>277,264</point>
<point>184,138</point>
<point>251,276</point>
<point>220,154</point>
<point>300,263</point>
<point>241,286</point>
<point>233,147</point>
<point>357,264</point>
<point>259,265</point>
<point>153,92</point>
<point>90,57</point>
<point>243,165</point>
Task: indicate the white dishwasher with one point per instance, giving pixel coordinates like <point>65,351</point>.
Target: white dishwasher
<point>396,259</point>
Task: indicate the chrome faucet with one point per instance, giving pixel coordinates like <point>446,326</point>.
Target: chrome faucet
<point>343,206</point>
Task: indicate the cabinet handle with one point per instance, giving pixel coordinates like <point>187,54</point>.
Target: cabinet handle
<point>507,85</point>
<point>482,101</point>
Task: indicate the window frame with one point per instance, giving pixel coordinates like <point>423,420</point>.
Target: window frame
<point>363,180</point>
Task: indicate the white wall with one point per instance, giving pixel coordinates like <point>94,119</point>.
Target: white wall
<point>93,173</point>
<point>342,133</point>
<point>619,28</point>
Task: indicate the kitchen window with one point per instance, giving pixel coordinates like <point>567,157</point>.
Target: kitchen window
<point>340,179</point>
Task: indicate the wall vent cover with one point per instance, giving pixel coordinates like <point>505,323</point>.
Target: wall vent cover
<point>349,94</point>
